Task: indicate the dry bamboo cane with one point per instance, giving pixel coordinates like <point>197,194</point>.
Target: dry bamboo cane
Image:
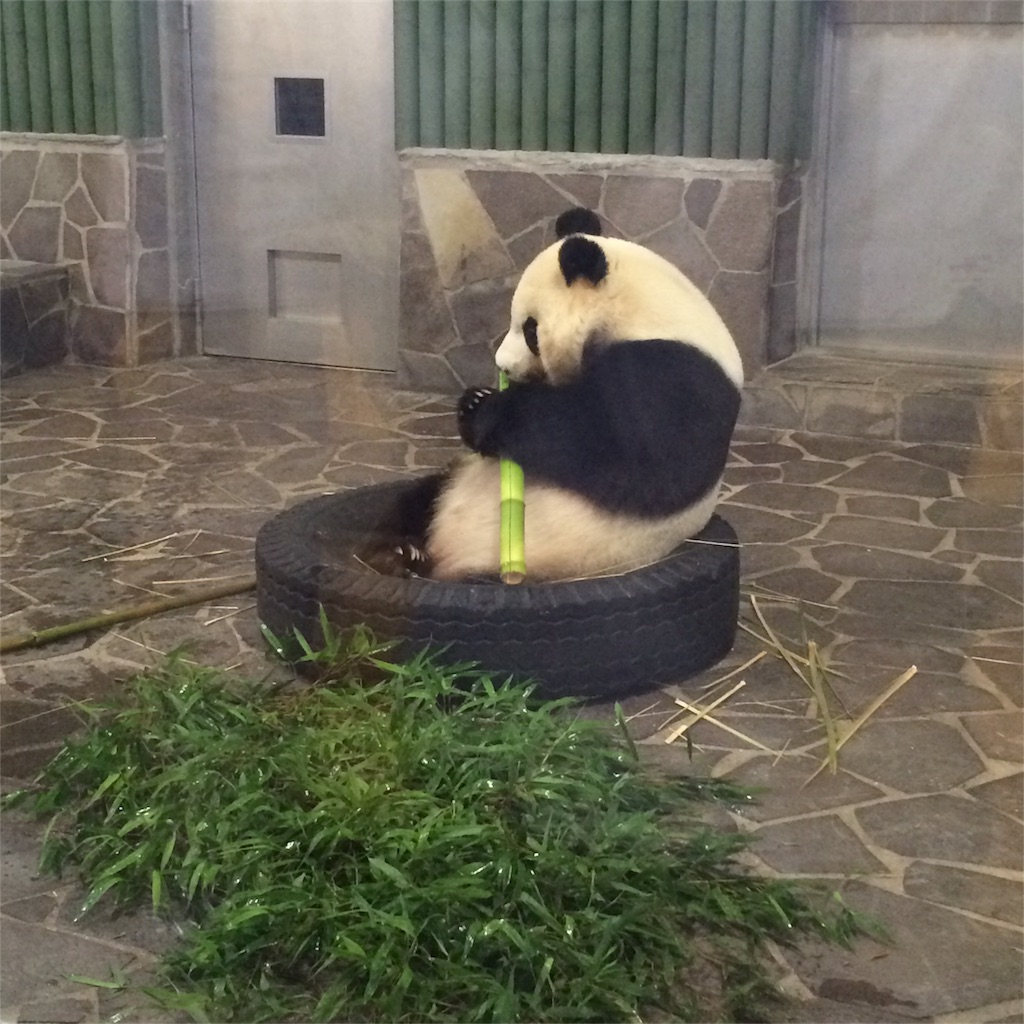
<point>513,516</point>
<point>126,614</point>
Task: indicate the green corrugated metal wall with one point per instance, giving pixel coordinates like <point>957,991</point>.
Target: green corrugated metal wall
<point>718,78</point>
<point>87,67</point>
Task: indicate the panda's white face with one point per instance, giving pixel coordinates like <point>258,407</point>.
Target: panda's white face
<point>608,290</point>
<point>550,322</point>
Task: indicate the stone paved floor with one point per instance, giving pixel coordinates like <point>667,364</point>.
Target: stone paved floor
<point>885,554</point>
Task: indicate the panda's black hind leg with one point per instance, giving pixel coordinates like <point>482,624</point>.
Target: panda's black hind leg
<point>399,542</point>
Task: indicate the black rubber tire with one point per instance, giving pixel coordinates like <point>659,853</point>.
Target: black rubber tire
<point>593,639</point>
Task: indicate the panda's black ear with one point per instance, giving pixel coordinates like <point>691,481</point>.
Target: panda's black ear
<point>582,257</point>
<point>577,221</point>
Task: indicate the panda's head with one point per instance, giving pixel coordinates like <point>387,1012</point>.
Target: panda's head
<point>586,290</point>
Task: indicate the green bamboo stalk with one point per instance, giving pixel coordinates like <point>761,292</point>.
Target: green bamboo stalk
<point>513,516</point>
<point>127,614</point>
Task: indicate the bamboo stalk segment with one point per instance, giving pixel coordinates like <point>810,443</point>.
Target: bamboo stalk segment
<point>513,516</point>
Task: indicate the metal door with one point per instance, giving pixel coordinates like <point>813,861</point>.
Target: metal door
<point>297,177</point>
<point>921,241</point>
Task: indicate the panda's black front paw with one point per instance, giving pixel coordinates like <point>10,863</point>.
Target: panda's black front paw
<point>473,427</point>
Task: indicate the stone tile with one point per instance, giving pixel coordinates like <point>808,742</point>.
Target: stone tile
<point>759,526</point>
<point>987,895</point>
<point>1005,576</point>
<point>480,312</point>
<point>515,200</point>
<point>940,418</point>
<point>1001,543</point>
<point>100,336</point>
<point>19,173</point>
<point>108,259</point>
<point>757,558</point>
<point>923,696</point>
<point>946,828</point>
<point>770,407</point>
<point>1006,794</point>
<point>851,411</point>
<point>803,584</point>
<point>700,199</point>
<point>1004,489</point>
<point>1002,424</point>
<point>816,846</point>
<point>963,512</point>
<point>29,975</point>
<point>79,209</point>
<point>785,794</point>
<point>740,298</point>
<point>938,961</point>
<point>739,233</point>
<point>104,177</point>
<point>886,507</point>
<point>681,245</point>
<point>888,475</point>
<point>999,734</point>
<point>841,449</point>
<point>55,1011</point>
<point>35,234</point>
<point>811,472</point>
<point>638,205</point>
<point>856,561</point>
<point>57,173</point>
<point>766,452</point>
<point>939,604</point>
<point>913,757</point>
<point>585,189</point>
<point>787,497</point>
<point>872,533</point>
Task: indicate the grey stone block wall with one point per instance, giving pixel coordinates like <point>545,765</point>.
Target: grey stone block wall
<point>472,221</point>
<point>98,207</point>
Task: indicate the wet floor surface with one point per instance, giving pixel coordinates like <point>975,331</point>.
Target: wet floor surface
<point>121,486</point>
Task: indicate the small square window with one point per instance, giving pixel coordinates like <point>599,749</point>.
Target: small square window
<point>299,106</point>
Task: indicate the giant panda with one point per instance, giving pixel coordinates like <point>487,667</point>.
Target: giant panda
<point>624,392</point>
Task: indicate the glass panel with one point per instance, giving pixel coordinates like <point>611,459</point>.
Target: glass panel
<point>299,106</point>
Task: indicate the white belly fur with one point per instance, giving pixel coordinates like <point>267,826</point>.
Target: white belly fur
<point>566,537</point>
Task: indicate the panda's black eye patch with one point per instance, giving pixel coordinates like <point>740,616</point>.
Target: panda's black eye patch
<point>530,335</point>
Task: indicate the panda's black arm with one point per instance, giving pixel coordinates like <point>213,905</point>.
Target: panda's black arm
<point>643,429</point>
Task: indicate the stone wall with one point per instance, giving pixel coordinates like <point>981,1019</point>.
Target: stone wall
<point>99,206</point>
<point>471,221</point>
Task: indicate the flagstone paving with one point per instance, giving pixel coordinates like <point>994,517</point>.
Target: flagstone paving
<point>119,485</point>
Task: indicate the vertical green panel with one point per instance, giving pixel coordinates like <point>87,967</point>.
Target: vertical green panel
<point>725,105</point>
<point>431,72</point>
<point>700,43</point>
<point>101,47</point>
<point>614,76</point>
<point>756,80</point>
<point>508,67</point>
<point>785,74</point>
<point>124,27</point>
<point>643,49</point>
<point>481,73</point>
<point>149,50</point>
<point>587,85</point>
<point>456,74</point>
<point>560,71</point>
<point>407,112</point>
<point>59,59</point>
<point>668,111</point>
<point>38,66</point>
<point>5,106</point>
<point>535,71</point>
<point>16,65</point>
<point>81,67</point>
<point>803,109</point>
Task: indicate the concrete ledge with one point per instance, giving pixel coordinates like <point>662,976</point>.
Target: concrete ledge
<point>831,392</point>
<point>34,326</point>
